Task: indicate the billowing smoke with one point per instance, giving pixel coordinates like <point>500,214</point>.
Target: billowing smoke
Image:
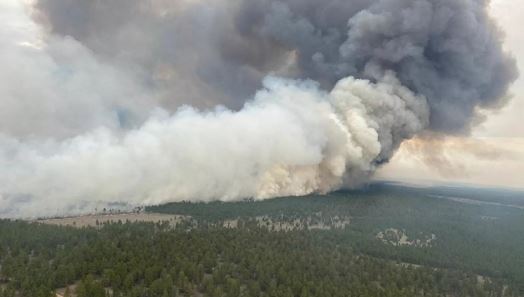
<point>153,101</point>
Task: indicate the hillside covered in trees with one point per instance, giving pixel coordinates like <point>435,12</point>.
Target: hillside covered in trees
<point>384,241</point>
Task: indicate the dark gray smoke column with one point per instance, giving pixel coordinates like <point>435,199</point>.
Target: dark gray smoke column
<point>449,51</point>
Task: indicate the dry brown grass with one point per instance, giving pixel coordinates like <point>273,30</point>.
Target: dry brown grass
<point>94,220</point>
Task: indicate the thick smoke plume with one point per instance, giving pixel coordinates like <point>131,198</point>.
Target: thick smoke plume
<point>153,101</point>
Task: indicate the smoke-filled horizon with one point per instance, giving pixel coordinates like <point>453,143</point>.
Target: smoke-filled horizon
<point>146,102</point>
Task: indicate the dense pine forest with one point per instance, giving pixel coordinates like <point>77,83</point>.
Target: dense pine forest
<point>384,241</point>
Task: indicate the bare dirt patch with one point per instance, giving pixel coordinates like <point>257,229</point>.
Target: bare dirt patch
<point>308,223</point>
<point>94,220</point>
<point>397,237</point>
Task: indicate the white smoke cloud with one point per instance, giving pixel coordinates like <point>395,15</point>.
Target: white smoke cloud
<point>291,139</point>
<point>79,131</point>
<point>54,87</point>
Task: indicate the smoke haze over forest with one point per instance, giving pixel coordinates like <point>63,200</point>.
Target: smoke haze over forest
<point>146,102</point>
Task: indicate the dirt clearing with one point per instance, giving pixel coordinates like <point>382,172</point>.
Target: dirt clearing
<point>94,220</point>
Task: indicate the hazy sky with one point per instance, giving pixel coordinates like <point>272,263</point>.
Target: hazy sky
<point>508,122</point>
<point>494,154</point>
